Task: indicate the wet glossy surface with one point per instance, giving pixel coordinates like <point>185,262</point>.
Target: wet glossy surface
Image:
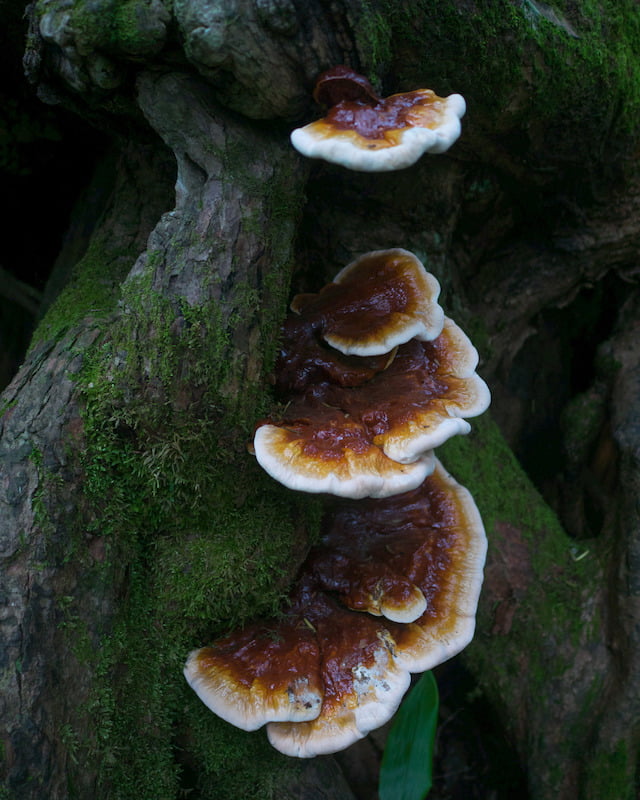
<point>354,106</point>
<point>394,113</point>
<point>332,416</point>
<point>374,296</point>
<point>305,359</point>
<point>428,536</point>
<point>404,541</point>
<point>272,653</point>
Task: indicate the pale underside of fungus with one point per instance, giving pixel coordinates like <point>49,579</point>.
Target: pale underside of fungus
<point>337,661</point>
<point>367,133</point>
<point>373,377</point>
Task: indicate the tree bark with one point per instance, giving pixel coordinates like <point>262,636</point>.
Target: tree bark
<point>134,525</point>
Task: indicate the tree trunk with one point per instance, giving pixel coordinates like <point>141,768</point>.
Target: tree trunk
<point>134,525</point>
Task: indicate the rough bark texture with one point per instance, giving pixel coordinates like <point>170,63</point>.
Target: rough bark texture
<point>134,525</point>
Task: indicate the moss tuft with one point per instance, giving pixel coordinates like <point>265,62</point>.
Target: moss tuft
<point>512,509</point>
<point>133,28</point>
<point>92,290</point>
<point>200,537</point>
<point>516,62</point>
<point>610,775</point>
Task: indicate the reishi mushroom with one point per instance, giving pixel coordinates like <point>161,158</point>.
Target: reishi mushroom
<point>269,671</point>
<point>322,675</point>
<point>335,457</point>
<point>373,377</point>
<point>359,426</point>
<point>375,303</point>
<point>364,132</point>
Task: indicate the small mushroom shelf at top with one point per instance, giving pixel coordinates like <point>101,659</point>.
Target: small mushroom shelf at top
<point>367,133</point>
<point>364,425</point>
<point>337,661</point>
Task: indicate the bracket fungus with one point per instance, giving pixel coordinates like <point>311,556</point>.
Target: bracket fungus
<point>371,377</point>
<point>375,303</point>
<point>367,133</point>
<point>365,425</point>
<point>322,675</point>
<point>266,672</point>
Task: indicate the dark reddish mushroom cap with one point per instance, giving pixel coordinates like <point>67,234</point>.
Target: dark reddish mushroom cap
<point>448,567</point>
<point>363,132</point>
<point>374,439</point>
<point>363,683</point>
<point>381,300</point>
<point>365,583</point>
<point>340,84</point>
<point>433,534</point>
<point>267,671</point>
<point>348,670</point>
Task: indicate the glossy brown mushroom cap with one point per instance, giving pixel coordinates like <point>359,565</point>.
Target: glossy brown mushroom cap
<point>265,672</point>
<point>372,439</point>
<point>323,675</point>
<point>434,536</point>
<point>381,300</point>
<point>363,684</point>
<point>363,132</point>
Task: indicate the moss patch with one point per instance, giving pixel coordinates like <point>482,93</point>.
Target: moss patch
<point>200,539</point>
<point>610,775</point>
<point>575,67</point>
<point>134,28</point>
<point>513,511</point>
<point>91,291</point>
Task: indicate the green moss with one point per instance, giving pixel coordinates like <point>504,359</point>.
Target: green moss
<point>244,764</point>
<point>514,64</point>
<point>206,543</point>
<point>206,539</point>
<point>484,463</point>
<point>92,290</point>
<point>443,39</point>
<point>373,39</point>
<point>134,28</point>
<point>512,509</point>
<point>610,775</point>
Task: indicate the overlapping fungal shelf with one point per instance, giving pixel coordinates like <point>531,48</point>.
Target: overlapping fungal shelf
<point>371,376</point>
<point>365,426</point>
<point>391,589</point>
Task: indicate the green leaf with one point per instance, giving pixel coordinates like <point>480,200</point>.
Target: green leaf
<point>407,763</point>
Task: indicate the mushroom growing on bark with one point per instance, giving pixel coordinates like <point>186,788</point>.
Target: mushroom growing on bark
<point>364,426</point>
<point>375,303</point>
<point>364,132</point>
<point>323,674</point>
<point>372,377</point>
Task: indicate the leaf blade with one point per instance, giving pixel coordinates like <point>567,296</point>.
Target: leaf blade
<point>407,764</point>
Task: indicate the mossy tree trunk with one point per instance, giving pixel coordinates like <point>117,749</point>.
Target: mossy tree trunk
<point>135,525</point>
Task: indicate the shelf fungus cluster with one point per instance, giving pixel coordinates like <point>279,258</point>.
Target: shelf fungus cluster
<point>367,133</point>
<point>372,377</point>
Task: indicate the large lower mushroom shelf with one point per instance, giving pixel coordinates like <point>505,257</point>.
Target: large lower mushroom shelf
<point>392,588</point>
